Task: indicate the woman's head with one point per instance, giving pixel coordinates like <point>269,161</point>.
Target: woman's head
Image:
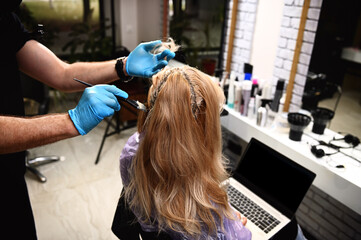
<point>186,96</point>
<point>178,169</point>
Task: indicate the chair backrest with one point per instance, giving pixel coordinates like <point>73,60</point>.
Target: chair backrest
<point>125,225</point>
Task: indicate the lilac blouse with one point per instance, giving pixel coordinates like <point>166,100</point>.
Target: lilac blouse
<point>233,229</point>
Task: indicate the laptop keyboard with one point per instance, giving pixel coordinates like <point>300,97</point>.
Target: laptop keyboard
<point>261,218</point>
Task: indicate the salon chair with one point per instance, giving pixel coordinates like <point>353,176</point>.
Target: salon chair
<point>36,94</point>
<point>126,227</point>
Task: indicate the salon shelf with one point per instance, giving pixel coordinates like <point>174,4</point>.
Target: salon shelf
<point>342,184</point>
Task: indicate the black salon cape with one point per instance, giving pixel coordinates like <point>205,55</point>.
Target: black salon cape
<point>17,221</point>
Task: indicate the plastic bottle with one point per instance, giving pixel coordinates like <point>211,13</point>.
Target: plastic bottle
<point>255,87</point>
<point>282,103</point>
<point>246,95</point>
<point>237,96</point>
<point>262,113</point>
<point>223,79</point>
<point>230,100</point>
<point>247,69</point>
<point>267,90</point>
<point>252,110</point>
<point>278,94</point>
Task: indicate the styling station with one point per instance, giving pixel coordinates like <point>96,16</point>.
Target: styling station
<point>282,113</point>
<point>338,176</point>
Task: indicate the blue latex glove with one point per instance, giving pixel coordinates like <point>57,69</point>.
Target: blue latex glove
<point>95,104</point>
<point>142,63</point>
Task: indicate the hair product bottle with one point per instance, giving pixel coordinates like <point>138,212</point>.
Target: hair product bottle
<point>246,95</point>
<point>230,100</point>
<point>278,94</point>
<point>237,96</point>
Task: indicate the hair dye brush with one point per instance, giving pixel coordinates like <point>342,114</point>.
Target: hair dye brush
<point>134,103</point>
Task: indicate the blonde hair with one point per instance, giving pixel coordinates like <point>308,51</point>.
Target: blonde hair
<point>176,174</point>
<point>169,44</point>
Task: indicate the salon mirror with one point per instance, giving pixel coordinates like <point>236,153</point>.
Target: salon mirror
<point>329,66</point>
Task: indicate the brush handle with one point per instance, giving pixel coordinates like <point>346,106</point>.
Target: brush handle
<point>85,83</point>
<point>130,101</point>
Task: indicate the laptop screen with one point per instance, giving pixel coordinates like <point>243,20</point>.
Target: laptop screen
<point>272,176</point>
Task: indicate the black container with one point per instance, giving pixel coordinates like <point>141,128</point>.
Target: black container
<point>298,122</point>
<point>321,116</point>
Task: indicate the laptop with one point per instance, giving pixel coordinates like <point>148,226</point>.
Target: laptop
<point>267,188</point>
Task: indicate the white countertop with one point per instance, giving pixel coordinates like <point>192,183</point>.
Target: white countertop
<point>343,184</point>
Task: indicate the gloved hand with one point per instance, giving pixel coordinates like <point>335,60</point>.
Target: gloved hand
<point>142,63</point>
<point>95,104</point>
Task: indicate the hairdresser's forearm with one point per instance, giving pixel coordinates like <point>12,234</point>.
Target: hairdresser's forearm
<point>39,62</point>
<point>91,72</point>
<point>18,134</point>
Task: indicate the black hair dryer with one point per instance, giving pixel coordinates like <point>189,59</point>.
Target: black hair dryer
<point>321,117</point>
<point>298,122</point>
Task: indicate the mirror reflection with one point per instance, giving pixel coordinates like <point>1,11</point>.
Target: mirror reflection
<point>335,76</point>
<point>328,72</point>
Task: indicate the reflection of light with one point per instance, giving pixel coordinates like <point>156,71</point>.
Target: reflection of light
<point>171,11</point>
<point>171,7</point>
<point>183,5</point>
